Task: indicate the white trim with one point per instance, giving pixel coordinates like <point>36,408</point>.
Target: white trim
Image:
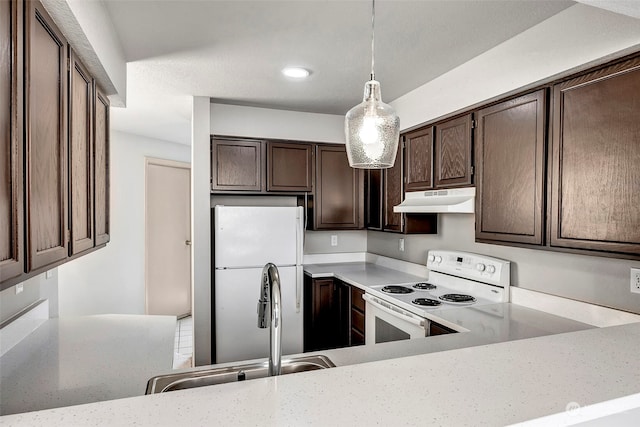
<point>398,264</point>
<point>571,309</point>
<point>20,328</point>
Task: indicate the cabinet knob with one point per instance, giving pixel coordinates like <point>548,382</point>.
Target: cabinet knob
<point>187,242</point>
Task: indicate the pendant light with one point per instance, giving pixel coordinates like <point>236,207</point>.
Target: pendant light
<point>372,128</point>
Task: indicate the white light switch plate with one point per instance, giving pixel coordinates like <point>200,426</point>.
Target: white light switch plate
<point>635,280</point>
<point>334,240</point>
<point>401,245</point>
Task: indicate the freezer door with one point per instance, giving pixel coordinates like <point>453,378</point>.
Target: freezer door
<point>253,236</point>
<point>236,320</point>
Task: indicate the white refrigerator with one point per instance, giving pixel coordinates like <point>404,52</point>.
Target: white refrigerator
<point>245,239</point>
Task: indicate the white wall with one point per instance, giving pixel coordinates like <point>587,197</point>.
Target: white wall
<point>201,230</point>
<point>576,36</point>
<point>111,280</point>
<point>232,120</point>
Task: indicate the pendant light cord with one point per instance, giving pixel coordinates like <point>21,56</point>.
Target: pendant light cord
<point>373,36</point>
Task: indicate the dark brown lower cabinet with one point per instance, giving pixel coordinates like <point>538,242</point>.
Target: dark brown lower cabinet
<point>595,153</point>
<point>328,314</point>
<point>357,317</point>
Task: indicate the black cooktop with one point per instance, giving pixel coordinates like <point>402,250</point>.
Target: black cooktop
<point>396,289</point>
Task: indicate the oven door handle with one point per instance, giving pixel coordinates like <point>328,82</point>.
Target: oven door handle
<point>403,314</point>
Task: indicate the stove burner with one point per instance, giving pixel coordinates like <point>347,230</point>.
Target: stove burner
<point>458,298</point>
<point>395,289</point>
<point>426,302</point>
<point>424,286</point>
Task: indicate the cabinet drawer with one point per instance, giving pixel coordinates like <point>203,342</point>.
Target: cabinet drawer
<point>357,320</point>
<point>356,298</point>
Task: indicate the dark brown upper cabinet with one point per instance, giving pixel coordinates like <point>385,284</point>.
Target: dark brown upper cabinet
<point>595,153</point>
<point>46,138</point>
<point>11,150</point>
<point>339,195</point>
<point>80,157</point>
<point>289,167</point>
<point>384,191</point>
<point>237,165</point>
<point>509,158</point>
<point>452,152</point>
<point>393,195</point>
<point>374,199</point>
<point>419,159</point>
<point>101,166</point>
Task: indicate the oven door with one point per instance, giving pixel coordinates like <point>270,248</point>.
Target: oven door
<point>386,322</point>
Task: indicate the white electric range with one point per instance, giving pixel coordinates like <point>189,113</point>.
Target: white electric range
<point>456,279</point>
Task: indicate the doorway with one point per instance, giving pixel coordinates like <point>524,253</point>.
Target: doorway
<point>167,238</point>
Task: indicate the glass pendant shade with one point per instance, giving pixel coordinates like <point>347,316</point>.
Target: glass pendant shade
<point>372,131</point>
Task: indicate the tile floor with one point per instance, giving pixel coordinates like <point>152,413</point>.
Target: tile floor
<point>183,345</point>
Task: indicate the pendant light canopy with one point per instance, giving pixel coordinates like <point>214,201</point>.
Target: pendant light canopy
<point>372,128</point>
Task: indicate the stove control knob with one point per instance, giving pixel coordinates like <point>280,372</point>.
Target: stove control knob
<point>431,258</point>
<point>438,259</point>
<point>491,269</point>
<point>480,266</point>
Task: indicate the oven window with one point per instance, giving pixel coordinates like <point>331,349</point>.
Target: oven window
<point>386,332</point>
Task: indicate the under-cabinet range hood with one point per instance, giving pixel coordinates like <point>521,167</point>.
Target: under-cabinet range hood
<point>454,200</point>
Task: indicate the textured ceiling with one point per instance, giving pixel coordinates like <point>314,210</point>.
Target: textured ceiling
<point>233,51</point>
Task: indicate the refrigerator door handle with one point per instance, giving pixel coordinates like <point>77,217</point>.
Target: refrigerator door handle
<point>299,278</point>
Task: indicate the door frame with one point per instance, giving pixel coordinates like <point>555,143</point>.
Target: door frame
<point>166,163</point>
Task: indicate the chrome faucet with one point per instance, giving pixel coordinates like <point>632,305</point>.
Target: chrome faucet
<point>270,314</point>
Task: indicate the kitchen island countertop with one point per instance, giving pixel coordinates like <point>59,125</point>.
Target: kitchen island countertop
<point>486,385</point>
<point>84,359</point>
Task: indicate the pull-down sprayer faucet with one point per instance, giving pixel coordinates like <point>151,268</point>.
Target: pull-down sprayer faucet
<point>270,314</point>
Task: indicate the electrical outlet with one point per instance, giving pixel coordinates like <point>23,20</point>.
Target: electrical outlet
<point>19,288</point>
<point>48,274</point>
<point>401,245</point>
<point>635,280</point>
<point>334,240</point>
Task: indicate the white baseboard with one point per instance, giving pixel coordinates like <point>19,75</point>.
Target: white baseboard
<point>23,324</point>
<point>591,314</point>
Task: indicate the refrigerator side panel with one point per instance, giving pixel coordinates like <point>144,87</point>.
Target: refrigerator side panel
<point>237,334</point>
<point>254,236</point>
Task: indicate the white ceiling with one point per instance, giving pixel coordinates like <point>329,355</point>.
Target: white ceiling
<point>233,51</point>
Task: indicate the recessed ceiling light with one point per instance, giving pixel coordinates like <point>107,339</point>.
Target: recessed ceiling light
<point>295,72</point>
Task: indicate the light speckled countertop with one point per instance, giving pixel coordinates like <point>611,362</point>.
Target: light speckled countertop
<point>487,385</point>
<point>507,368</point>
<point>75,360</point>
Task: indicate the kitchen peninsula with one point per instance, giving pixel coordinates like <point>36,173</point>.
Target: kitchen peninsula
<point>507,368</point>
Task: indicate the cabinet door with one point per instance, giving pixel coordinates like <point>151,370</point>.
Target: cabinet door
<point>453,153</point>
<point>321,314</point>
<point>419,159</point>
<point>289,167</point>
<point>373,199</point>
<point>11,179</point>
<point>46,138</point>
<point>595,187</point>
<point>236,165</point>
<point>510,141</point>
<point>80,157</point>
<point>393,196</point>
<point>101,166</point>
<point>339,196</point>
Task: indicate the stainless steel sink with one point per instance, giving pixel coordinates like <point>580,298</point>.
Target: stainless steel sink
<point>184,380</point>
